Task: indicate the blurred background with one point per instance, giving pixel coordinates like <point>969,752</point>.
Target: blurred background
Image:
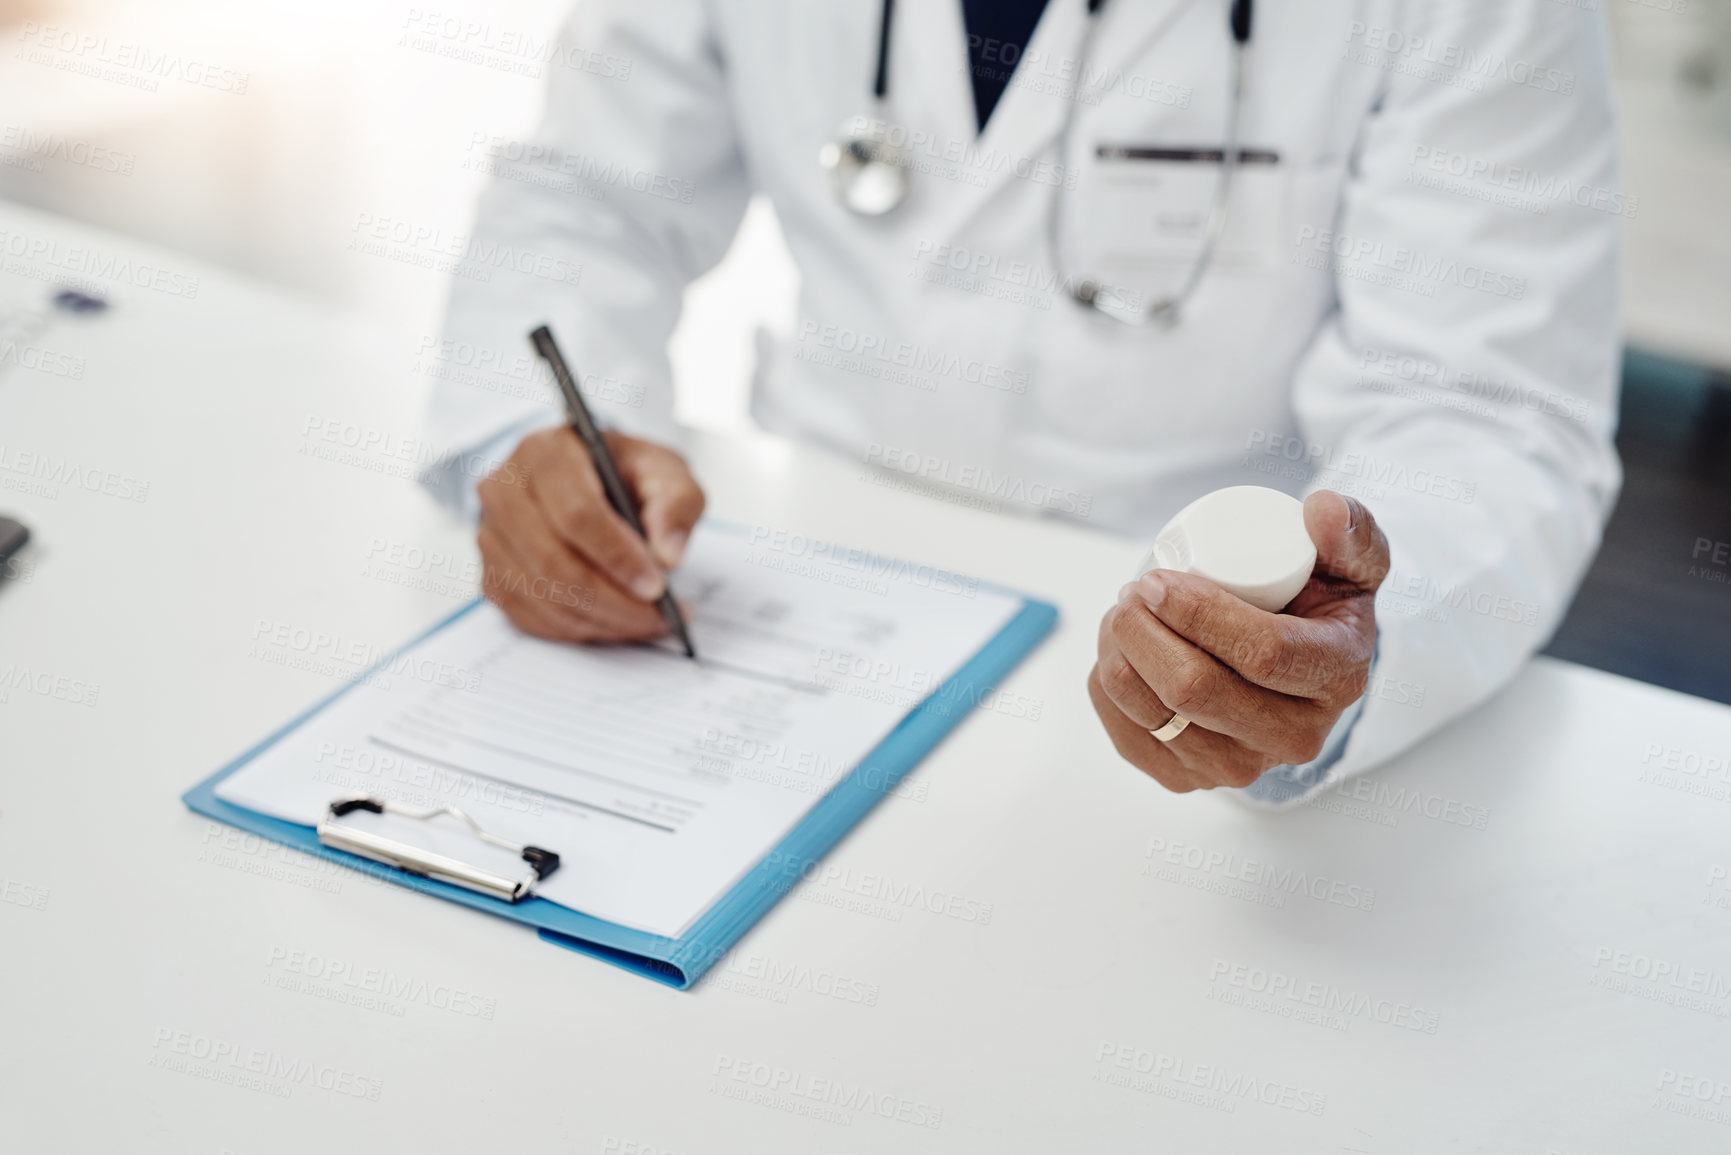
<point>263,134</point>
<point>316,116</point>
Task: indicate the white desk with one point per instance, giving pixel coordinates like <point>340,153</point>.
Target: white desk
<point>136,937</point>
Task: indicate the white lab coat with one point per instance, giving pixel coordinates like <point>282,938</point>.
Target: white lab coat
<point>1416,305</point>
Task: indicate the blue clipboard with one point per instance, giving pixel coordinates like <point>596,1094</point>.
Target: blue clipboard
<point>680,962</point>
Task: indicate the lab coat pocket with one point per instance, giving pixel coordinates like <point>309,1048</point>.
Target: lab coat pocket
<point>1142,224</point>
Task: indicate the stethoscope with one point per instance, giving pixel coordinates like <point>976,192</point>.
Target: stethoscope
<point>870,174</point>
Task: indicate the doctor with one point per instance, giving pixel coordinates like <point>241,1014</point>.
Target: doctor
<point>1098,258</point>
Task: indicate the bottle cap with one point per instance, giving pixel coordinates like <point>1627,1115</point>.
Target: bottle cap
<point>1247,539</point>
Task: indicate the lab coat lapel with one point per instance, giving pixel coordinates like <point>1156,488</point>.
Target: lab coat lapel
<point>929,85</point>
<point>1031,110</point>
<point>1129,28</point>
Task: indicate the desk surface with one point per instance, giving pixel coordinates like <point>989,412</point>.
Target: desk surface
<point>1516,939</point>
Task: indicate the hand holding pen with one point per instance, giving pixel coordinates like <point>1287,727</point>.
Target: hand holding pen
<point>561,560</point>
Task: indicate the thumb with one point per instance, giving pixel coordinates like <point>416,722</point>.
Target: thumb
<point>670,497</point>
<point>1350,549</point>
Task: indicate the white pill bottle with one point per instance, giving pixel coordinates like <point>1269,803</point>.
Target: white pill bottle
<point>1247,539</point>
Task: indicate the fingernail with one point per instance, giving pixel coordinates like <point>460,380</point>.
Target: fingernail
<point>1152,588</point>
<point>648,586</point>
<point>669,548</point>
<point>1125,591</point>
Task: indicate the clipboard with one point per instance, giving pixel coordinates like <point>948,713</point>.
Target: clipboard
<point>677,962</point>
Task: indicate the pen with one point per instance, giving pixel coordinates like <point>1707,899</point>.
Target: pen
<point>1185,155</point>
<point>618,496</point>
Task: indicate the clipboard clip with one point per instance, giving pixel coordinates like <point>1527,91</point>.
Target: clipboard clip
<point>425,863</point>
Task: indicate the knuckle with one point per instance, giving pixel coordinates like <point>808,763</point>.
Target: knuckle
<point>612,555</point>
<point>1193,687</point>
<point>1303,747</point>
<point>1125,618</point>
<point>535,554</point>
<point>1209,612</point>
<point>580,521</point>
<point>1321,665</point>
<point>1183,608</point>
<point>1353,684</point>
<point>555,562</point>
<point>1271,657</point>
<point>1118,677</point>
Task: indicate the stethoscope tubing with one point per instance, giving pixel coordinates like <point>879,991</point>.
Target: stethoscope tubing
<point>1167,311</point>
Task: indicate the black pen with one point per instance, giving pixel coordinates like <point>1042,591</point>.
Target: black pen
<point>618,496</point>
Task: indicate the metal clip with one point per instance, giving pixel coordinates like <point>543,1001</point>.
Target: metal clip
<point>425,863</point>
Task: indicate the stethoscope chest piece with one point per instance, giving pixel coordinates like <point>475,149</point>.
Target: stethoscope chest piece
<point>867,174</point>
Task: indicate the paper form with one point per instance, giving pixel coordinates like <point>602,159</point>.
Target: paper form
<point>658,780</point>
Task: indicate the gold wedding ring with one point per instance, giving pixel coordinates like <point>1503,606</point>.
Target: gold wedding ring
<point>1172,728</point>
